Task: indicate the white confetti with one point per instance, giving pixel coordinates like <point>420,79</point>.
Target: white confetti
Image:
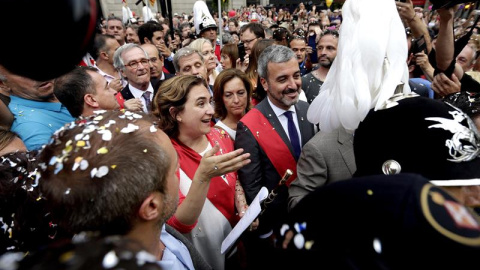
<point>299,241</point>
<point>110,260</point>
<point>102,171</point>
<point>83,165</point>
<point>153,129</point>
<point>107,135</point>
<point>129,129</point>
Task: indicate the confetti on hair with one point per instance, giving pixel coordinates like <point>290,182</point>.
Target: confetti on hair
<point>153,129</point>
<point>106,134</point>
<point>80,143</point>
<point>130,128</point>
<point>76,164</point>
<point>58,168</point>
<point>113,166</point>
<point>102,150</point>
<point>83,165</point>
<point>145,150</point>
<point>102,171</point>
<point>67,191</point>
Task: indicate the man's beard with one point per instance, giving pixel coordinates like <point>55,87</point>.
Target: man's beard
<point>326,64</point>
<point>170,207</point>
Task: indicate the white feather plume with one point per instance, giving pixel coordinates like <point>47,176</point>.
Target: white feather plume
<point>126,14</point>
<point>370,63</point>
<point>201,15</point>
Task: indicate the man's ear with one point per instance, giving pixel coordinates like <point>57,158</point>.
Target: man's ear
<point>90,100</point>
<point>151,207</point>
<point>147,41</point>
<point>264,84</point>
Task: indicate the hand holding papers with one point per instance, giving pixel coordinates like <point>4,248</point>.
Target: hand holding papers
<point>250,215</point>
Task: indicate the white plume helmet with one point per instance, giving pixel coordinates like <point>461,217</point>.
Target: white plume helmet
<point>201,17</point>
<point>126,14</point>
<point>371,62</point>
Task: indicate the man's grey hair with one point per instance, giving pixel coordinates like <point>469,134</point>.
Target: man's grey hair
<point>273,54</point>
<point>184,52</point>
<point>117,56</point>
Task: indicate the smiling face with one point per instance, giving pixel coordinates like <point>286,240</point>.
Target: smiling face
<point>283,84</point>
<point>235,97</point>
<point>194,119</point>
<point>138,77</point>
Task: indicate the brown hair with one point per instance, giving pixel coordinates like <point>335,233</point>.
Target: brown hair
<point>6,137</point>
<point>253,61</point>
<point>218,90</point>
<point>88,178</point>
<point>173,94</point>
<point>231,51</point>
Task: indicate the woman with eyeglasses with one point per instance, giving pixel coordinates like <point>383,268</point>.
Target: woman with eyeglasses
<point>231,93</point>
<point>211,198</point>
<point>205,47</point>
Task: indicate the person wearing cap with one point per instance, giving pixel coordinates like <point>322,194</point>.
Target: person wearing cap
<point>205,25</point>
<point>400,222</point>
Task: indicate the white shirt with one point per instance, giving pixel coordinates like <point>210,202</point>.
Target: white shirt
<point>109,77</point>
<point>284,120</point>
<point>137,93</point>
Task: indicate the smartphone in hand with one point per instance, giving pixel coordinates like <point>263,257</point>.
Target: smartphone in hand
<point>241,51</point>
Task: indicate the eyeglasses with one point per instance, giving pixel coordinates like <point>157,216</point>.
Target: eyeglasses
<point>246,42</point>
<point>134,64</point>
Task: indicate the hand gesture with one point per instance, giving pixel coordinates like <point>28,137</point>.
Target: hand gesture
<point>405,10</point>
<point>213,165</point>
<point>134,104</point>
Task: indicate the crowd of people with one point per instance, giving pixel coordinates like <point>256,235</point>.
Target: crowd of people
<point>150,151</point>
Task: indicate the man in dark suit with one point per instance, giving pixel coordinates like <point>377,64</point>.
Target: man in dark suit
<point>273,133</point>
<point>157,76</point>
<point>134,64</point>
<point>280,77</point>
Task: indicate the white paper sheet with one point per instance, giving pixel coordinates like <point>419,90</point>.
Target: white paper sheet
<point>251,214</point>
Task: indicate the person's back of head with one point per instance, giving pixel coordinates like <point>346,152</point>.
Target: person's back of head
<point>90,184</point>
<point>93,253</point>
<point>146,30</point>
<point>24,218</point>
<point>99,45</point>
